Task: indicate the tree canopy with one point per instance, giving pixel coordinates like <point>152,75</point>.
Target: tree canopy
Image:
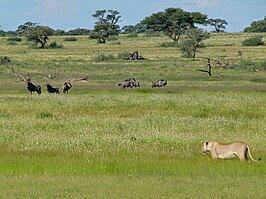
<point>193,40</point>
<point>36,33</point>
<point>257,26</point>
<point>218,24</point>
<point>174,21</point>
<point>135,29</point>
<point>106,24</point>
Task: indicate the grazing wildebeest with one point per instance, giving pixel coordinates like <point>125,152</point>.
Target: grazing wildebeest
<point>33,88</point>
<point>52,89</point>
<point>159,83</point>
<point>66,87</point>
<point>131,82</point>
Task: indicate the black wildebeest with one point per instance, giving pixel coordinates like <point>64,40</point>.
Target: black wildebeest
<point>52,89</point>
<point>159,83</point>
<point>131,82</point>
<point>30,86</point>
<point>66,87</point>
<point>33,88</point>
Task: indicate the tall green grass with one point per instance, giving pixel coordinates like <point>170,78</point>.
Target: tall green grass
<point>102,141</point>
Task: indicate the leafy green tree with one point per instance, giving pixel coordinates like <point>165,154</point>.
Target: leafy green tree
<point>78,31</point>
<point>257,26</point>
<point>106,25</point>
<point>193,41</point>
<point>59,32</point>
<point>128,29</point>
<point>218,24</point>
<point>138,28</point>
<point>173,22</point>
<point>36,33</point>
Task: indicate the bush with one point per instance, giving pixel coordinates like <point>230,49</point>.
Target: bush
<point>123,56</point>
<point>70,39</point>
<point>16,39</point>
<point>32,44</point>
<point>252,66</point>
<point>54,45</point>
<point>253,41</point>
<point>103,57</point>
<point>43,115</point>
<point>187,47</point>
<point>4,60</point>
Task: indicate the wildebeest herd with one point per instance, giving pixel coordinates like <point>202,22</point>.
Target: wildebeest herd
<point>128,83</point>
<point>132,82</point>
<point>51,89</point>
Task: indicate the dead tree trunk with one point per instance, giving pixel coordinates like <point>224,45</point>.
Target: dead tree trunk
<point>209,71</point>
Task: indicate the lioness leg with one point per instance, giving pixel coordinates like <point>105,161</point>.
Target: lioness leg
<point>242,156</point>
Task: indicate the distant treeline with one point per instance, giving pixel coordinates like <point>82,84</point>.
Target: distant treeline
<point>58,32</point>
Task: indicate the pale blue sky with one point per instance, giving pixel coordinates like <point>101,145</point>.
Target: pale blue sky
<point>70,14</point>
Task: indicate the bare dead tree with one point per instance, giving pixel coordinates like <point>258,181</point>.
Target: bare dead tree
<point>209,71</point>
<point>30,86</point>
<point>21,77</point>
<point>223,63</point>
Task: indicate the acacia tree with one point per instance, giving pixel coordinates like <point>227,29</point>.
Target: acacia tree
<point>173,22</point>
<point>257,26</point>
<point>36,33</point>
<point>218,24</point>
<point>193,41</point>
<point>106,25</point>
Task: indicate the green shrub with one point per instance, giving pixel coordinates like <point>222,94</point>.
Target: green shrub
<point>252,66</point>
<point>70,39</point>
<point>32,44</point>
<point>123,55</point>
<point>43,115</point>
<point>103,57</point>
<point>54,45</point>
<point>4,60</point>
<point>187,47</point>
<point>16,39</point>
<point>253,41</point>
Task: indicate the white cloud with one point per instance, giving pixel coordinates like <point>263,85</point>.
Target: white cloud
<point>203,3</point>
<point>57,8</point>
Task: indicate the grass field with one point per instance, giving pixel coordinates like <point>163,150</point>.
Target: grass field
<point>100,141</point>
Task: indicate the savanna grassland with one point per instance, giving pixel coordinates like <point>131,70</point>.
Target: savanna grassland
<point>100,141</point>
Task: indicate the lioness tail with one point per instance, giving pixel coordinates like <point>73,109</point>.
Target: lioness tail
<point>249,153</point>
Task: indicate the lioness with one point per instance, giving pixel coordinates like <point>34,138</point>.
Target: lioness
<point>219,150</point>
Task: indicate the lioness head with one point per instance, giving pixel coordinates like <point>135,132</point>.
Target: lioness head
<point>206,147</point>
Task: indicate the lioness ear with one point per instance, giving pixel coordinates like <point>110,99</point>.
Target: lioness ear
<point>207,143</point>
